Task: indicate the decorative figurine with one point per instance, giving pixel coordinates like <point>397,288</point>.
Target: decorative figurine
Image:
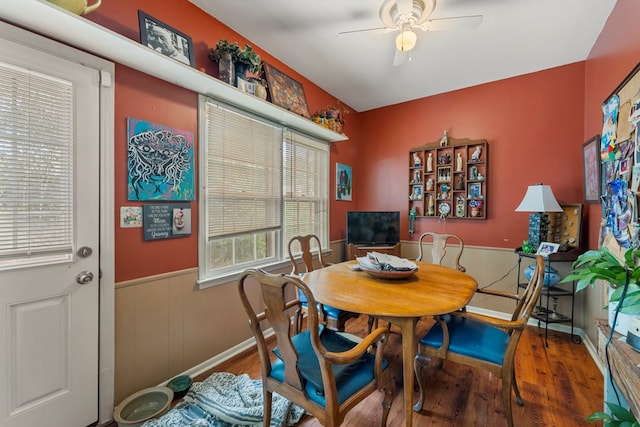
<point>429,184</point>
<point>459,163</point>
<point>473,174</point>
<point>412,217</point>
<point>444,191</point>
<point>460,182</point>
<point>460,213</point>
<point>444,140</point>
<point>416,160</point>
<point>416,176</point>
<point>431,206</point>
<point>475,157</point>
<point>430,163</point>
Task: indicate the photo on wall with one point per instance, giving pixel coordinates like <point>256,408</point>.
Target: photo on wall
<point>160,162</point>
<point>343,182</point>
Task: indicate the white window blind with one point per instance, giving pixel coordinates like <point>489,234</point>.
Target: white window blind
<point>305,188</point>
<point>36,166</point>
<point>243,173</point>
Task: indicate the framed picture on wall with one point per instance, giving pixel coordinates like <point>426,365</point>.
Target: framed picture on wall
<point>591,169</point>
<point>343,182</point>
<point>286,92</point>
<point>164,39</point>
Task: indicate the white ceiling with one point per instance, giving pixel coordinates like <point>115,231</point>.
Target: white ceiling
<point>516,37</point>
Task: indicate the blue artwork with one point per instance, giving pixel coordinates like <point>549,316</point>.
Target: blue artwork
<point>160,162</point>
<point>609,129</point>
<point>343,182</point>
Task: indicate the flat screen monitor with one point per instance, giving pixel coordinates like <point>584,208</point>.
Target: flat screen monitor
<point>373,228</point>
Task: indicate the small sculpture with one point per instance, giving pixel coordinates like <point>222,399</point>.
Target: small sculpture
<point>412,217</point>
<point>416,176</point>
<point>460,182</point>
<point>459,163</point>
<point>475,157</point>
<point>444,191</point>
<point>429,184</point>
<point>473,173</point>
<point>431,206</point>
<point>416,160</point>
<point>444,140</point>
<point>430,163</point>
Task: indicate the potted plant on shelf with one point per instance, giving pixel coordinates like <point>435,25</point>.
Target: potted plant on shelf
<point>621,275</point>
<point>225,55</point>
<point>248,60</point>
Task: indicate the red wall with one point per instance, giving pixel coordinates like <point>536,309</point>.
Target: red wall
<point>535,126</point>
<point>615,54</point>
<point>532,123</point>
<point>143,97</point>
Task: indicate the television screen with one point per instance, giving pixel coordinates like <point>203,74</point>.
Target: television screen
<point>373,228</point>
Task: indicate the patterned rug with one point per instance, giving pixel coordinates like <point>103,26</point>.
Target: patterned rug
<point>227,400</point>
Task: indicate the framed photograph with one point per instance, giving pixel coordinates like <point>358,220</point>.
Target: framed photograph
<point>546,248</point>
<point>286,92</point>
<point>591,169</point>
<point>475,190</point>
<point>343,182</point>
<point>164,39</point>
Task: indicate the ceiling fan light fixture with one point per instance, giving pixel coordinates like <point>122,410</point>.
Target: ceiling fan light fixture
<point>406,40</point>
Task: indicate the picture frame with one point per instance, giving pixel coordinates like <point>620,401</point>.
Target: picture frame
<point>547,248</point>
<point>165,39</point>
<point>475,190</point>
<point>285,92</point>
<point>591,169</point>
<point>344,180</point>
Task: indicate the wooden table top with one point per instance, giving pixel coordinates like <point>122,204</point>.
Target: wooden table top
<point>432,290</point>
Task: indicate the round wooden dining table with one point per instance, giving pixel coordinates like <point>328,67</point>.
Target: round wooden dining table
<point>431,291</point>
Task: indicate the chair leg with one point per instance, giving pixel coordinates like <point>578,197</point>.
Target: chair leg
<point>389,390</point>
<point>507,384</point>
<point>519,399</point>
<point>266,419</point>
<point>420,363</point>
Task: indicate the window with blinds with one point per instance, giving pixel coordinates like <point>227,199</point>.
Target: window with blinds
<point>262,185</point>
<point>36,167</point>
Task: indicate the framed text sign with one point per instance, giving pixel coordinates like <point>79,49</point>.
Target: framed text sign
<point>164,221</point>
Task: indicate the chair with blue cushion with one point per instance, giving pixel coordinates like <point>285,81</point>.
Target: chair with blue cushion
<point>481,341</point>
<point>323,371</point>
<point>303,246</point>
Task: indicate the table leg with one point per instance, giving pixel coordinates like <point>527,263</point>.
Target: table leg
<point>407,327</point>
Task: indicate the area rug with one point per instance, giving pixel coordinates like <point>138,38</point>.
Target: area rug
<point>227,400</point>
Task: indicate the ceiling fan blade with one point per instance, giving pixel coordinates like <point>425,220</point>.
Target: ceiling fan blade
<point>457,23</point>
<point>400,57</point>
<point>379,30</point>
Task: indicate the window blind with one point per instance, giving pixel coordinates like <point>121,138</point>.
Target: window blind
<point>305,187</point>
<point>36,164</point>
<point>243,173</point>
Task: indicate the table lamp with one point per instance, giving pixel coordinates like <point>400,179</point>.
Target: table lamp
<point>539,200</point>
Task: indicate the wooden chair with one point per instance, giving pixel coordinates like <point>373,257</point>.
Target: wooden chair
<point>321,370</point>
<point>439,247</point>
<point>334,318</point>
<point>481,341</point>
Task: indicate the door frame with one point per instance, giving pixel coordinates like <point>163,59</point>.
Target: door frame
<point>106,362</point>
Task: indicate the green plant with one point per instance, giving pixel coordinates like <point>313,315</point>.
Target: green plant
<point>223,46</point>
<point>251,58</point>
<point>601,264</point>
<point>620,417</point>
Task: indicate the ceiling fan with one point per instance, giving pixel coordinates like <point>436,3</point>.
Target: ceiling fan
<point>408,16</point>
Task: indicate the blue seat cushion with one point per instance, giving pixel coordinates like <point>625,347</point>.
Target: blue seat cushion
<point>470,338</point>
<point>349,378</point>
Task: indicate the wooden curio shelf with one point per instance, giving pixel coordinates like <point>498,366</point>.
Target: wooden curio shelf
<point>448,178</point>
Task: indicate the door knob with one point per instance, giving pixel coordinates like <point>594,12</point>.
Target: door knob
<point>84,277</point>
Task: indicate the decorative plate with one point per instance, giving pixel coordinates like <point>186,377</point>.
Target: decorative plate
<point>389,274</point>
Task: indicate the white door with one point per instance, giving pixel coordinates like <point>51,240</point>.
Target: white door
<point>49,284</point>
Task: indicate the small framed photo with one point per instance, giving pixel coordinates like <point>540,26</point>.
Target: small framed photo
<point>591,169</point>
<point>475,190</point>
<point>164,39</point>
<point>546,248</point>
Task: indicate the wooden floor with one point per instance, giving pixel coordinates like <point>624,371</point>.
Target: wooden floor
<point>561,385</point>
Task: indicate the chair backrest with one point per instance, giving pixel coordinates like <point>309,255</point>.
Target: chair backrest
<point>439,243</point>
<point>310,364</point>
<point>531,294</point>
<point>305,246</point>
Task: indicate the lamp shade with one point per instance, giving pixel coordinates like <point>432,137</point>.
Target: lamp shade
<point>406,40</point>
<point>539,198</point>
